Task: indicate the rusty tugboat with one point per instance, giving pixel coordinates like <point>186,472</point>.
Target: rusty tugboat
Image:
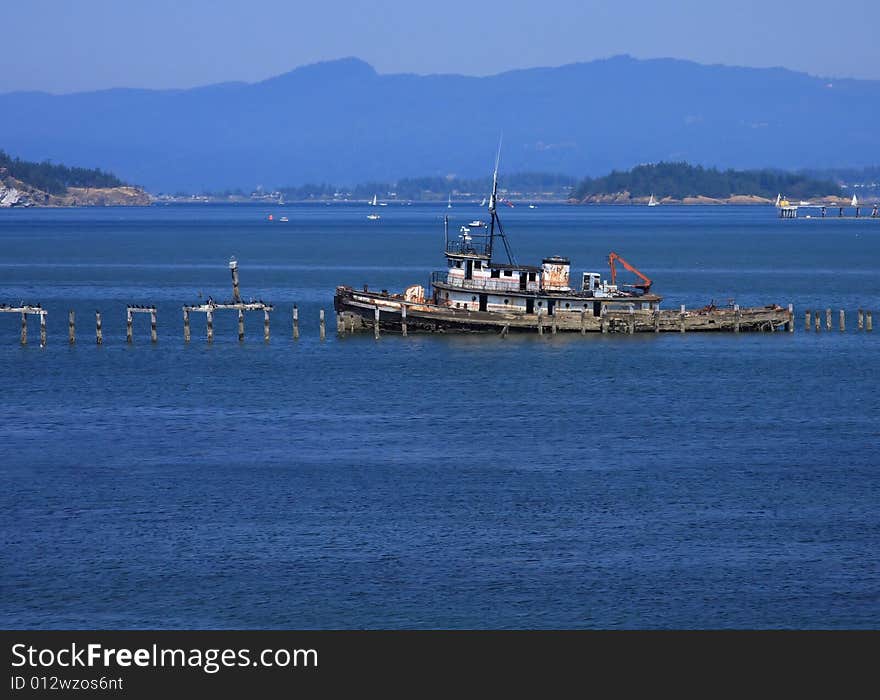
<point>477,293</point>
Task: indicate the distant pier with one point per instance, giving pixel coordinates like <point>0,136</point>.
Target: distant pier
<point>822,211</point>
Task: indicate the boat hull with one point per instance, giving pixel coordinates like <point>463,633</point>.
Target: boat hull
<point>356,311</point>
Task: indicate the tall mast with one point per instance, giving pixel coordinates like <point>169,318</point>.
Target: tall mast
<point>493,212</point>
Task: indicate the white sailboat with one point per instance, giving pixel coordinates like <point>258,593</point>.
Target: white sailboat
<point>855,201</point>
<point>449,203</point>
<point>483,203</point>
<point>373,203</point>
<point>652,202</point>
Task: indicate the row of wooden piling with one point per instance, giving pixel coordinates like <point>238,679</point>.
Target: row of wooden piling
<point>813,320</point>
<point>154,332</point>
<point>864,320</point>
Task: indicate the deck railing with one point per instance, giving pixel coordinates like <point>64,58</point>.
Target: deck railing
<point>471,247</point>
<point>492,284</point>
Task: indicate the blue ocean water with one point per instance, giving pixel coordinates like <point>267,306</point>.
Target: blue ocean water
<point>468,482</point>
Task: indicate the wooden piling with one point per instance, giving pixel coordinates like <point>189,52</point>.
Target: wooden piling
<point>323,330</point>
<point>540,324</point>
<point>233,266</point>
<point>340,324</point>
<point>818,319</point>
<point>681,319</point>
<point>240,326</point>
<point>860,320</point>
<point>505,331</point>
<point>583,322</point>
<point>807,315</point>
<point>403,319</point>
<point>553,322</point>
<point>869,322</point>
<point>376,324</point>
<point>266,325</point>
<point>631,321</point>
<point>789,325</point>
<point>295,322</point>
<point>827,319</point>
<point>842,321</point>
<point>71,327</point>
<point>154,331</point>
<point>99,332</point>
<point>656,320</point>
<point>186,331</point>
<point>128,323</point>
<point>42,329</point>
<point>23,328</point>
<point>209,324</point>
<point>737,318</point>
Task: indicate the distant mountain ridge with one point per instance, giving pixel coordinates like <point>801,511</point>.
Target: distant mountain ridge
<point>340,121</point>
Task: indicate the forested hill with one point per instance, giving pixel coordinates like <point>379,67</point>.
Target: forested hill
<point>682,180</point>
<point>27,184</point>
<point>52,178</point>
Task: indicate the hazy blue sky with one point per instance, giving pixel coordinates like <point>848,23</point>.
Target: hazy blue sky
<point>71,45</point>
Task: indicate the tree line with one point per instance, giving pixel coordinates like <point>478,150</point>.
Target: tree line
<point>53,178</point>
<point>435,187</point>
<point>681,180</point>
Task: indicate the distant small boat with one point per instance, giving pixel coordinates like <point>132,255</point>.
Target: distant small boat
<point>373,217</point>
<point>373,203</point>
<point>652,202</point>
<point>855,201</point>
<point>449,203</point>
<point>476,223</point>
<point>805,204</point>
<point>270,217</point>
<point>284,219</point>
<point>483,203</point>
<point>383,204</point>
<point>532,206</point>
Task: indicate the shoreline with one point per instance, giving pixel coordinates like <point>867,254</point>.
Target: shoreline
<point>135,198</point>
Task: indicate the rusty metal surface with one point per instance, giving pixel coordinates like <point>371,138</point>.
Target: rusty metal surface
<point>556,276</point>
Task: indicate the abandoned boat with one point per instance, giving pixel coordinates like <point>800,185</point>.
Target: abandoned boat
<point>478,293</point>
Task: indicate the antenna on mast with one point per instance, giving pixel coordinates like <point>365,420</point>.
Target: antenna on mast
<point>493,197</point>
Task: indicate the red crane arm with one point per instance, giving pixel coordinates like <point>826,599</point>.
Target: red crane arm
<point>614,257</point>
